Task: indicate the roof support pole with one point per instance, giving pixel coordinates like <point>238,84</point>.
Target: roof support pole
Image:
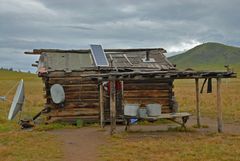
<point>198,102</point>
<point>219,106</point>
<point>112,106</point>
<point>101,105</point>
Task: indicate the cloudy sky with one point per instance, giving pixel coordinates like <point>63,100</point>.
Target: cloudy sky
<point>175,25</point>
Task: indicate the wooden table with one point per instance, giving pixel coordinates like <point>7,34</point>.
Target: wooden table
<point>169,116</point>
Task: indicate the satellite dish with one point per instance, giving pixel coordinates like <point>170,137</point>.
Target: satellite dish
<point>18,101</point>
<point>3,98</point>
<point>57,93</point>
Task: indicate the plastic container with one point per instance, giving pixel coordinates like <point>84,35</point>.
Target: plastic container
<point>131,109</point>
<point>154,110</point>
<point>142,112</point>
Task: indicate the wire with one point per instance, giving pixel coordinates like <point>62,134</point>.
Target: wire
<point>11,89</point>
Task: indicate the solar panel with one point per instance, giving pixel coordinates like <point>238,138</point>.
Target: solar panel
<point>99,56</point>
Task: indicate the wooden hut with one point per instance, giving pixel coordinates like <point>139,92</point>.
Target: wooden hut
<point>69,68</point>
<point>93,93</point>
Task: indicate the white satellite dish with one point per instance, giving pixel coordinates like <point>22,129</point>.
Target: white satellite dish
<point>18,101</point>
<point>57,93</point>
<point>3,98</point>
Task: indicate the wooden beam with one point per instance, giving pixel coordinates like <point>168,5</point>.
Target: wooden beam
<point>101,105</point>
<point>197,102</point>
<point>87,51</point>
<point>112,106</point>
<point>219,106</point>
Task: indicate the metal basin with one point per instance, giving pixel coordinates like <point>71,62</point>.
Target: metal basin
<point>131,109</point>
<point>154,110</point>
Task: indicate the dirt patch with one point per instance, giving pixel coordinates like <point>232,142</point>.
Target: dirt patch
<point>81,144</point>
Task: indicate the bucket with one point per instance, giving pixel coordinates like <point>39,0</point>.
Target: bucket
<point>131,109</point>
<point>142,112</point>
<point>154,110</point>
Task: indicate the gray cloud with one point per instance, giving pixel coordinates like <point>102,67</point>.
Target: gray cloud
<point>174,25</point>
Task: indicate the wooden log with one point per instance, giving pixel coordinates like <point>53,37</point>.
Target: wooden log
<point>197,102</point>
<point>72,119</point>
<point>70,81</point>
<point>87,51</point>
<point>146,94</point>
<point>219,106</point>
<point>82,100</point>
<point>148,81</point>
<point>112,106</point>
<point>101,103</point>
<point>146,87</point>
<point>162,101</point>
<point>81,96</point>
<point>75,112</point>
<point>81,105</point>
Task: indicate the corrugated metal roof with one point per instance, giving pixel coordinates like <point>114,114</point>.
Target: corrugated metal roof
<point>130,59</point>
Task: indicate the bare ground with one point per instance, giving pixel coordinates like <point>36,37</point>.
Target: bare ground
<point>82,144</point>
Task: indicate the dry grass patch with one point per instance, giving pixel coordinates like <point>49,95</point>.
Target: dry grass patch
<point>30,146</point>
<point>17,145</point>
<point>185,94</point>
<point>173,146</point>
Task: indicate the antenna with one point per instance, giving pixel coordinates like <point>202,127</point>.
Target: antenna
<point>17,105</point>
<point>17,102</point>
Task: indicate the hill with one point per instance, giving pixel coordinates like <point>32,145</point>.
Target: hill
<point>208,56</point>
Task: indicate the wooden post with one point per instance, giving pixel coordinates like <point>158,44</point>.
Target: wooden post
<point>101,105</point>
<point>219,106</point>
<point>197,102</point>
<point>112,106</point>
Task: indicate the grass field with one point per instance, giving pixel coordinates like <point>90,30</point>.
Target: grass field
<point>15,144</point>
<point>18,145</point>
<point>172,146</point>
<point>185,94</point>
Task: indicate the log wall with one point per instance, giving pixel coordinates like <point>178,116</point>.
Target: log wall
<point>149,91</point>
<point>81,97</point>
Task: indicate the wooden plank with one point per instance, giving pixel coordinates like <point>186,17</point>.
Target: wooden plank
<point>219,106</point>
<point>171,115</point>
<point>145,83</point>
<point>162,101</point>
<point>70,81</point>
<point>81,105</point>
<point>146,87</point>
<point>81,96</point>
<point>112,106</point>
<point>167,81</point>
<point>82,100</point>
<point>75,112</point>
<point>146,94</point>
<point>101,103</point>
<point>197,102</point>
<point>73,119</point>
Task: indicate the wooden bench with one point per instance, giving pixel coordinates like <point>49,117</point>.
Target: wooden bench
<point>169,116</point>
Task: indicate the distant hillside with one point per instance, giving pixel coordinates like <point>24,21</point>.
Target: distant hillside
<point>208,56</point>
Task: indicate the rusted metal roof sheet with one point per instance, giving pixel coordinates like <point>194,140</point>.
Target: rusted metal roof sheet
<point>135,59</point>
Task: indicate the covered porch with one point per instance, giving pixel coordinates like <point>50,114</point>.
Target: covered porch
<point>161,75</point>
